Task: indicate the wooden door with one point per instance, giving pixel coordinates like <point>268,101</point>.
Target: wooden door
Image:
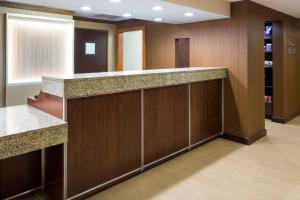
<point>90,51</point>
<point>182,52</point>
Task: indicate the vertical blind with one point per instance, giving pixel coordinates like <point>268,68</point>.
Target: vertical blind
<point>38,47</point>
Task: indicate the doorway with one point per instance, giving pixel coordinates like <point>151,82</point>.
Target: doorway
<point>131,49</point>
<point>274,70</point>
<point>182,52</point>
<point>90,51</point>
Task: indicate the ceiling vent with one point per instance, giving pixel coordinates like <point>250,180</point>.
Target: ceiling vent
<point>108,17</point>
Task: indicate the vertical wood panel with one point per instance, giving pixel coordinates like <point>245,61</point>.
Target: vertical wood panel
<point>206,110</point>
<point>165,121</point>
<point>54,171</point>
<point>104,139</point>
<point>19,174</point>
<point>278,70</point>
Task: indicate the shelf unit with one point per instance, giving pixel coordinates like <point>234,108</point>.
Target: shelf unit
<point>268,72</point>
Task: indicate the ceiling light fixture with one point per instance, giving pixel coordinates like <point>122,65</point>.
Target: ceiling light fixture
<point>127,15</point>
<point>85,8</point>
<point>158,19</point>
<point>189,14</point>
<point>157,8</point>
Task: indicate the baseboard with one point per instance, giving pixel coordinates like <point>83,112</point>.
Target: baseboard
<point>245,140</point>
<point>286,119</point>
<point>278,120</point>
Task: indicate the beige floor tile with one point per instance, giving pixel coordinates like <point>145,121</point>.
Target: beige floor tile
<point>223,170</point>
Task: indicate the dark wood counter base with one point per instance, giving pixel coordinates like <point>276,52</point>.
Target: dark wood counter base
<point>40,171</point>
<point>113,137</point>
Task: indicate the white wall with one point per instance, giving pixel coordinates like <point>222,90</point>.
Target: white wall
<point>16,95</point>
<point>133,50</point>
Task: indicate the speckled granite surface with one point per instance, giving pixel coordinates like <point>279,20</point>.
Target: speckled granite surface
<point>24,129</point>
<point>80,85</point>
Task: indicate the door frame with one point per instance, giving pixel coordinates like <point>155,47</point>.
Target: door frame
<point>120,38</point>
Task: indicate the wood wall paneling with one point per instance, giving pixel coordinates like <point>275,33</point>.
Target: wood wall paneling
<point>20,174</point>
<point>212,43</point>
<point>104,139</point>
<point>50,104</point>
<point>54,172</point>
<point>278,70</point>
<point>256,72</point>
<point>236,43</point>
<point>206,110</point>
<point>166,125</point>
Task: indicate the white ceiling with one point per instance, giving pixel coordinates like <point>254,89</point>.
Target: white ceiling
<point>290,7</point>
<point>140,9</point>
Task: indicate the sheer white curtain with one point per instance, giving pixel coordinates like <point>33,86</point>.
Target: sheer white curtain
<point>37,47</point>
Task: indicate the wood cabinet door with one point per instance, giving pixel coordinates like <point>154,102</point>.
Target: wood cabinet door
<point>104,139</point>
<point>206,110</point>
<point>166,122</point>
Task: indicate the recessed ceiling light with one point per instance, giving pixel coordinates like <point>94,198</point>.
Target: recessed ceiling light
<point>127,15</point>
<point>158,19</point>
<point>189,14</point>
<point>157,8</point>
<point>115,1</point>
<point>85,8</point>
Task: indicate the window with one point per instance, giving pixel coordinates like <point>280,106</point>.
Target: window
<point>38,46</point>
<point>90,48</point>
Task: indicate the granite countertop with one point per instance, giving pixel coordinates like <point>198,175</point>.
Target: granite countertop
<point>80,85</point>
<point>24,129</point>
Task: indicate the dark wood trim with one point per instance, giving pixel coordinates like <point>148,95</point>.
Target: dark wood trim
<point>205,141</point>
<point>45,9</point>
<point>90,29</point>
<point>286,119</point>
<point>245,140</point>
<point>103,21</point>
<point>278,120</point>
<point>119,66</point>
<point>155,164</point>
<point>115,182</point>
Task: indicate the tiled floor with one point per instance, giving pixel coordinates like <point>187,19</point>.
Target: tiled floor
<point>223,170</point>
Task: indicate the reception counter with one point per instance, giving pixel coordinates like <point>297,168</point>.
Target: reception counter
<point>29,138</point>
<point>121,123</point>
